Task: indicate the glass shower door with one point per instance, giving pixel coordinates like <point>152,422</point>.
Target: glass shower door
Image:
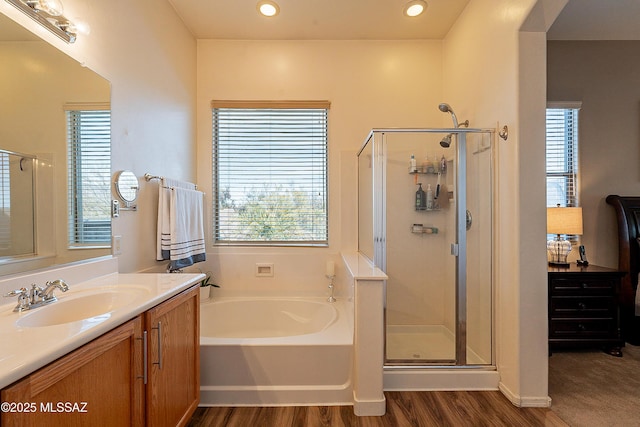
<point>439,293</point>
<point>420,291</point>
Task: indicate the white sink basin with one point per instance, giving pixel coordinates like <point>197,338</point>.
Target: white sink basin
<point>95,305</point>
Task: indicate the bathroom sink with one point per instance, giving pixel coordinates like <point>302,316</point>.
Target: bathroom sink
<point>95,306</point>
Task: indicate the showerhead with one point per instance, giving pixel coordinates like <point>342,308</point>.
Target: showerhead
<point>446,108</point>
<point>446,141</point>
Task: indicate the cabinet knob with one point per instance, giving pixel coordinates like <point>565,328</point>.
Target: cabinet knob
<point>582,306</point>
<point>584,286</point>
<point>581,327</point>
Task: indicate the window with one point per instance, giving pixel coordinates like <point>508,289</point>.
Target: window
<point>89,156</point>
<point>270,173</point>
<point>5,202</point>
<point>562,155</point>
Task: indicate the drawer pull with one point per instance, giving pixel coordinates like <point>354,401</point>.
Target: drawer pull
<point>582,306</point>
<point>584,286</point>
<point>581,327</point>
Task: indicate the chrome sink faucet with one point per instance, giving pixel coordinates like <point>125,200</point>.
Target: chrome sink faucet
<point>37,296</point>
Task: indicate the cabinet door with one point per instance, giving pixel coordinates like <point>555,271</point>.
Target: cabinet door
<point>101,383</point>
<point>173,390</point>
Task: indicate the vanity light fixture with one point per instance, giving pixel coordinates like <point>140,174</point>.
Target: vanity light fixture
<point>414,8</point>
<point>49,14</point>
<point>268,8</point>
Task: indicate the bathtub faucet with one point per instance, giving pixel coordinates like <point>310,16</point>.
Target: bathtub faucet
<point>331,297</point>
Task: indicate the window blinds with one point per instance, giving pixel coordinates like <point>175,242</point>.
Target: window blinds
<point>5,202</point>
<point>89,168</point>
<point>562,156</point>
<point>270,174</point>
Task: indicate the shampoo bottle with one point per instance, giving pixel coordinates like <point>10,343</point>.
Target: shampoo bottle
<point>412,164</point>
<point>421,201</point>
<point>429,198</point>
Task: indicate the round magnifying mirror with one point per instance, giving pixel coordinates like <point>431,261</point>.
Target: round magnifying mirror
<point>127,187</point>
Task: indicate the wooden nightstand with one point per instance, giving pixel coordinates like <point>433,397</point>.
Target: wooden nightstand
<point>583,308</point>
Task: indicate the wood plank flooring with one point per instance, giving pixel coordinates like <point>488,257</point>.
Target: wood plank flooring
<point>404,409</point>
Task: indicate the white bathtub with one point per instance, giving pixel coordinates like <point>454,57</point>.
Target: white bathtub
<point>275,351</point>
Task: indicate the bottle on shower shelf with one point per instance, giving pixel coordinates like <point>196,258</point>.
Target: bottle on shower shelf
<point>443,164</point>
<point>421,201</point>
<point>429,198</point>
<point>412,165</point>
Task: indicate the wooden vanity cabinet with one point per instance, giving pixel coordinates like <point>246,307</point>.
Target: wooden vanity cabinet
<point>173,388</point>
<point>102,382</point>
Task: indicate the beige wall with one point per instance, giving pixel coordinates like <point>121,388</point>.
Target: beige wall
<point>369,83</point>
<point>605,76</point>
<point>494,75</point>
<point>149,57</point>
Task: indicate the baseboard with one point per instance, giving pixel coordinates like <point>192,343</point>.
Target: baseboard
<point>275,396</point>
<point>525,402</point>
<point>369,408</point>
<point>440,379</point>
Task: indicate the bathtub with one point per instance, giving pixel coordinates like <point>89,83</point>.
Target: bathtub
<point>275,351</point>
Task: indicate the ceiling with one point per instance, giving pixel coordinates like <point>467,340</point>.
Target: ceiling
<point>597,20</point>
<point>335,20</point>
<point>384,20</point>
<point>317,19</point>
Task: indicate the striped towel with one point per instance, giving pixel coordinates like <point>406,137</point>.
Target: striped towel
<point>163,243</point>
<point>187,228</point>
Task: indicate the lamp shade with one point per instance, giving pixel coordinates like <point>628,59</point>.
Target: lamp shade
<point>564,220</point>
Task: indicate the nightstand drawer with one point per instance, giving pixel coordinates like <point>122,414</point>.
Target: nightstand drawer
<point>582,286</point>
<point>582,307</point>
<point>582,328</point>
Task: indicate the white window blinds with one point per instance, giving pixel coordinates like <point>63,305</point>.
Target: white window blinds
<point>89,167</point>
<point>270,173</point>
<point>562,156</point>
<point>5,202</point>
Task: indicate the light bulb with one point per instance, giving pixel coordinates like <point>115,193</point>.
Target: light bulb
<point>52,7</point>
<point>414,8</point>
<point>268,8</point>
<point>78,26</point>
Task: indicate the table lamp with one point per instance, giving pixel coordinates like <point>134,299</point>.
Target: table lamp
<point>565,220</point>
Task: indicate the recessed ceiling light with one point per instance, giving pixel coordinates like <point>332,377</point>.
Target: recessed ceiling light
<point>268,8</point>
<point>414,8</point>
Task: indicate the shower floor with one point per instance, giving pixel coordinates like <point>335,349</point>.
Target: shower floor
<point>420,342</point>
<point>424,343</point>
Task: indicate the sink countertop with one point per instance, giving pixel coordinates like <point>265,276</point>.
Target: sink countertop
<point>26,349</point>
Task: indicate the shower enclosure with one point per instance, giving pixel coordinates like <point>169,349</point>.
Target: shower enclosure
<point>429,228</point>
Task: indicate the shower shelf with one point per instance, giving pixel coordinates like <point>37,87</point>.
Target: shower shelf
<point>426,173</point>
<point>421,229</point>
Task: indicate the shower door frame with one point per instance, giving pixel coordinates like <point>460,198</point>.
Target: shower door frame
<point>380,231</point>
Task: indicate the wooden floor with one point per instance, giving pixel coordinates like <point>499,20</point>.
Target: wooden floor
<point>404,409</point>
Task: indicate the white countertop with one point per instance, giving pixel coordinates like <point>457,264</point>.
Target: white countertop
<point>26,349</point>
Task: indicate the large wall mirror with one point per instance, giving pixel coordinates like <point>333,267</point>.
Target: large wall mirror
<point>38,83</point>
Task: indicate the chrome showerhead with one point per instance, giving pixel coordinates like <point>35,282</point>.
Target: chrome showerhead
<point>446,141</point>
<point>446,108</point>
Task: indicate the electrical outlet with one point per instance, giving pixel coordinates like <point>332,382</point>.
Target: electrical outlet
<point>116,245</point>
